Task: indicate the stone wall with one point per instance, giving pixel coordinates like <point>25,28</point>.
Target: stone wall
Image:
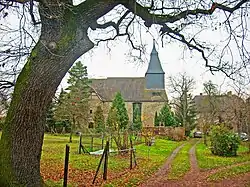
<point>148,110</point>
<point>148,113</point>
<point>175,133</point>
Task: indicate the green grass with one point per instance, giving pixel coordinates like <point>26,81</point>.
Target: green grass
<point>54,183</point>
<point>207,160</point>
<point>149,160</point>
<point>54,149</point>
<point>180,165</point>
<point>231,172</point>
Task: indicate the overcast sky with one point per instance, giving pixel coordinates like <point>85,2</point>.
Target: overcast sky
<point>103,63</point>
<point>114,61</point>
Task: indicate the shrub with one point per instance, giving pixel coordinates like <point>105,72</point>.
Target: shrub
<point>223,141</point>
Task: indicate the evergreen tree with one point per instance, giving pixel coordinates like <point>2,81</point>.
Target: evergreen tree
<point>50,120</point>
<point>122,114</point>
<point>57,115</point>
<point>78,95</point>
<point>61,112</point>
<point>99,119</point>
<point>167,116</point>
<point>73,106</point>
<point>156,120</point>
<point>186,113</point>
<point>137,123</point>
<point>117,121</point>
<point>112,121</point>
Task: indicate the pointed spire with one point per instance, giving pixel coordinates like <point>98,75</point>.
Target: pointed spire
<point>154,49</point>
<point>154,63</point>
<point>155,74</point>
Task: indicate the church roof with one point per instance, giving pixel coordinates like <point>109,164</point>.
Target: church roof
<point>154,66</point>
<point>131,88</point>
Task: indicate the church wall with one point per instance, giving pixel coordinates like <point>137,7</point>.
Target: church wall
<point>148,110</point>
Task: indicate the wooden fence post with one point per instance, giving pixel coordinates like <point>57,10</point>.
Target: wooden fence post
<point>131,153</point>
<point>91,143</point>
<point>134,158</point>
<point>80,144</point>
<point>111,141</point>
<point>102,140</point>
<point>105,168</point>
<point>106,159</point>
<point>66,165</point>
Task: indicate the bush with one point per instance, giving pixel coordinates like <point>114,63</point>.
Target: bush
<point>223,141</point>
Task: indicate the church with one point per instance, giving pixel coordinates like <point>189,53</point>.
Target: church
<point>144,93</point>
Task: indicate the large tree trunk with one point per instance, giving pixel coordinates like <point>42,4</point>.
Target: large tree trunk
<point>63,40</point>
<point>22,136</point>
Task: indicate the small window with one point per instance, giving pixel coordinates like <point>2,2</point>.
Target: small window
<point>90,111</point>
<point>137,108</point>
<point>91,125</point>
<point>156,93</point>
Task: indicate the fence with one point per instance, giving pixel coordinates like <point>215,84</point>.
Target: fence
<point>175,133</point>
<point>92,142</point>
<point>104,160</point>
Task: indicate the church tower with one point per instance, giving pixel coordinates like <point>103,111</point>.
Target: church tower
<point>155,75</point>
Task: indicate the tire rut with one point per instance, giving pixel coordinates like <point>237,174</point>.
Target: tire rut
<point>194,168</point>
<point>195,177</point>
<point>162,172</point>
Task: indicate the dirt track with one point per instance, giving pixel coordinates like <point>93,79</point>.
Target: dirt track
<point>195,177</point>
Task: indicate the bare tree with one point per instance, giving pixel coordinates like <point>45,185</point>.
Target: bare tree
<point>238,104</point>
<point>181,86</point>
<point>65,35</point>
<point>209,108</point>
<point>241,107</point>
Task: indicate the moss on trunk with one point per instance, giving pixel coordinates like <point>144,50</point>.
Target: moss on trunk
<point>7,176</point>
<point>22,137</point>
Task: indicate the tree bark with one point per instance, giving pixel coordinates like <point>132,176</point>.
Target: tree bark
<point>62,41</point>
<point>22,136</point>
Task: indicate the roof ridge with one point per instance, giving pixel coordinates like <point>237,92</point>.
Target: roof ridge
<point>117,78</point>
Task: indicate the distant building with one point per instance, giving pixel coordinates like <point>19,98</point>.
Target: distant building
<point>146,93</point>
<point>227,108</point>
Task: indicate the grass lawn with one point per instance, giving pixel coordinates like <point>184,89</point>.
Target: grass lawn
<point>82,167</point>
<point>207,160</point>
<point>181,164</point>
<point>231,172</point>
<point>150,159</point>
